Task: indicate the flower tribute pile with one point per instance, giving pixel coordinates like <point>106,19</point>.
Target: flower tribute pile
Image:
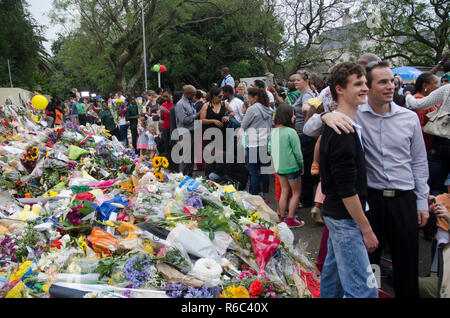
<point>82,216</point>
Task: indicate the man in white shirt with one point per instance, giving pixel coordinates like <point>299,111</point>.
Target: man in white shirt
<point>235,103</point>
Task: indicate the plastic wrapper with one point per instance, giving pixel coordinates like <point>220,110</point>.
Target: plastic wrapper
<point>172,275</point>
<point>221,242</point>
<point>176,256</point>
<point>194,242</point>
<point>102,241</point>
<point>75,152</point>
<point>256,203</point>
<point>264,244</point>
<point>71,278</point>
<point>286,234</point>
<point>12,174</point>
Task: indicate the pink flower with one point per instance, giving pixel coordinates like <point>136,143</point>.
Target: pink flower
<point>162,251</point>
<point>245,274</point>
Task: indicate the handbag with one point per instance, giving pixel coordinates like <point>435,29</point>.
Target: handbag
<point>438,124</point>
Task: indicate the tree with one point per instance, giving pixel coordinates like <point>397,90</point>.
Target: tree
<point>116,28</point>
<point>195,53</point>
<point>77,63</point>
<point>21,43</point>
<point>306,22</point>
<point>412,30</point>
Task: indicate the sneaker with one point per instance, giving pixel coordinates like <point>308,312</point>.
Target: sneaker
<point>282,219</point>
<point>315,168</point>
<point>292,222</point>
<point>266,201</point>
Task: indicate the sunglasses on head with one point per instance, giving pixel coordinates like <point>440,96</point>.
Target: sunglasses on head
<point>371,65</point>
<point>304,74</point>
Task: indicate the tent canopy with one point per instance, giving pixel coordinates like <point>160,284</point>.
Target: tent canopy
<point>407,73</point>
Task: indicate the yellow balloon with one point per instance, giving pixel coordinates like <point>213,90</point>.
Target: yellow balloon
<point>39,102</point>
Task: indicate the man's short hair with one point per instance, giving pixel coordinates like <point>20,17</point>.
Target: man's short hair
<point>226,70</point>
<point>228,89</point>
<point>198,94</point>
<point>371,66</point>
<point>340,74</point>
<point>260,84</point>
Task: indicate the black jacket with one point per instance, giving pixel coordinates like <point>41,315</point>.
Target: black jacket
<point>342,172</point>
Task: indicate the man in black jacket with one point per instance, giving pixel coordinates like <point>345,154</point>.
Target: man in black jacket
<point>346,271</point>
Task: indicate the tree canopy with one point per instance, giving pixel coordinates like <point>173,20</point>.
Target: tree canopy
<point>21,44</point>
<point>102,49</point>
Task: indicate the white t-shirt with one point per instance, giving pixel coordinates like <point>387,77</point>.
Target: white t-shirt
<point>271,98</point>
<point>236,105</point>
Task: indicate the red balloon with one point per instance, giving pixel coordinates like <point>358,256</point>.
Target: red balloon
<point>162,69</point>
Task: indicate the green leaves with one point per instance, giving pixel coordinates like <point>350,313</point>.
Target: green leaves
<point>214,221</point>
<point>106,266</point>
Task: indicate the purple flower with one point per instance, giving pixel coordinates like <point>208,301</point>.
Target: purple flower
<point>193,200</point>
<point>175,290</point>
<point>194,293</point>
<point>137,270</point>
<point>127,293</point>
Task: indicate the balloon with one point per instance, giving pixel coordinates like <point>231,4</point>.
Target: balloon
<point>156,68</point>
<point>162,69</point>
<point>39,102</point>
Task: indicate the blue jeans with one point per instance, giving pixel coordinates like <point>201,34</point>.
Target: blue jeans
<point>346,271</point>
<point>124,133</point>
<point>254,169</point>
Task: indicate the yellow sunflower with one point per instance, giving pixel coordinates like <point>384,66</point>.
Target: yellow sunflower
<point>156,162</point>
<point>33,153</point>
<point>165,162</point>
<point>159,176</point>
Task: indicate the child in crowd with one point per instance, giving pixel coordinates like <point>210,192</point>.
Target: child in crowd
<point>284,147</point>
<point>316,107</point>
<point>142,143</point>
<point>152,134</point>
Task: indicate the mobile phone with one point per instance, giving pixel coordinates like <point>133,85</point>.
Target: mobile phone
<point>433,200</point>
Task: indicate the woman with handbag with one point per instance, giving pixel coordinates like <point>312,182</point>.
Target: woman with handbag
<point>213,115</point>
<point>439,126</point>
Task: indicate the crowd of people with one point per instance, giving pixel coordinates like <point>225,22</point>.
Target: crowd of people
<point>362,150</point>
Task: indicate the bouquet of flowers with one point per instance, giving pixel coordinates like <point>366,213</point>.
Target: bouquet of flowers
<point>159,162</point>
<point>117,110</point>
<point>141,271</point>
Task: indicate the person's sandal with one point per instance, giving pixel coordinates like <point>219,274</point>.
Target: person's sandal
<point>316,214</point>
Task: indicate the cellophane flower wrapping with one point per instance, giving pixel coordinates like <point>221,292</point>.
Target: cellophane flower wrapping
<point>264,244</point>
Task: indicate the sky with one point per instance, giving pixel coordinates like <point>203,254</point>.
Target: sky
<point>39,10</point>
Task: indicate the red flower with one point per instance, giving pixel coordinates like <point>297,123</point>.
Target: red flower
<point>57,244</point>
<point>256,288</point>
<point>124,168</point>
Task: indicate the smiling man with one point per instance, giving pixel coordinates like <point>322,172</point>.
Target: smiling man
<point>347,269</point>
<point>397,173</point>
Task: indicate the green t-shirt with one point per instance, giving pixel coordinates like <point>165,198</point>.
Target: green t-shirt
<point>81,108</point>
<point>285,149</point>
<point>107,119</point>
<point>132,110</point>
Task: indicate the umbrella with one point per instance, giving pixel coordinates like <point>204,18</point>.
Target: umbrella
<point>407,73</point>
